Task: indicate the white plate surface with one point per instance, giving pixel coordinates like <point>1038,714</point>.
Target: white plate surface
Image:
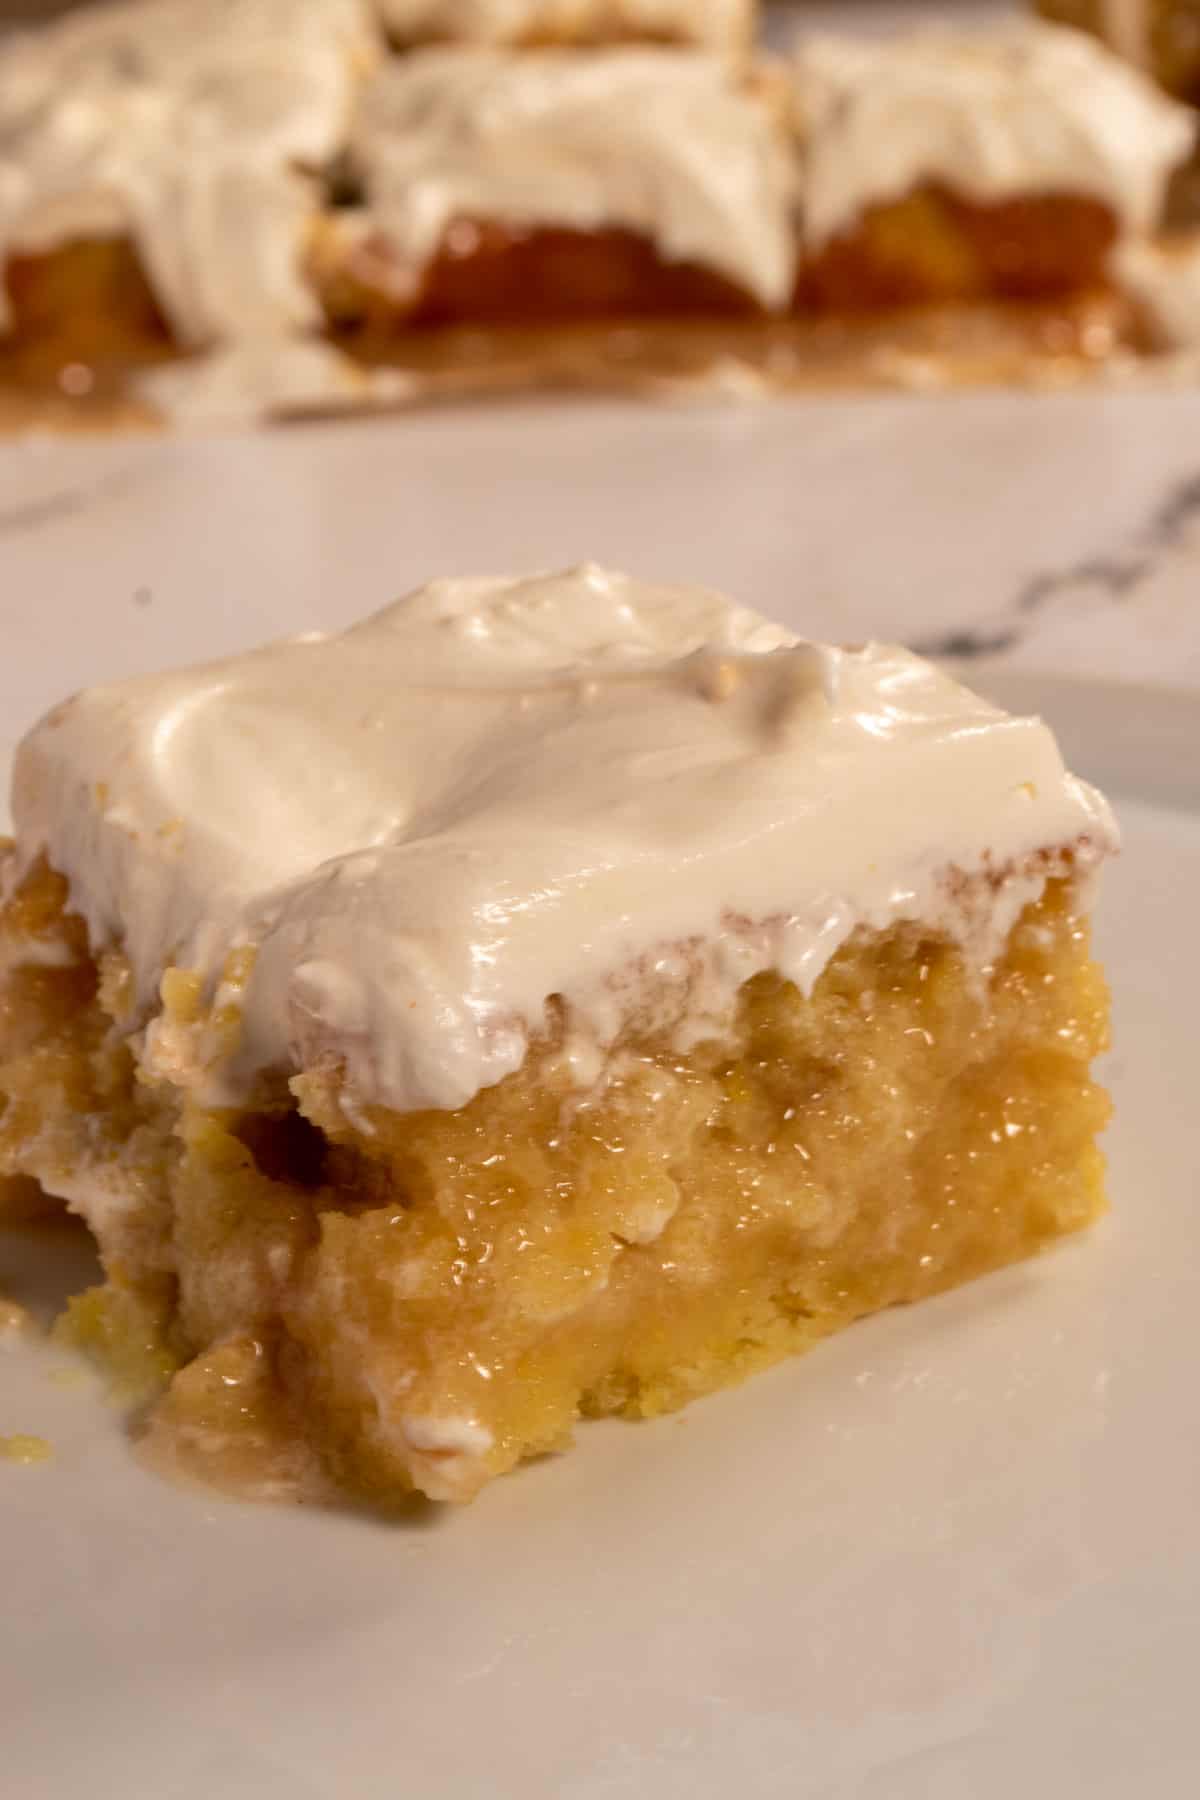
<point>952,1555</point>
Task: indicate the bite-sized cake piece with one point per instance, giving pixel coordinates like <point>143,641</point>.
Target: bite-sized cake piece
<point>715,24</point>
<point>1160,36</point>
<point>948,165</point>
<point>551,997</point>
<point>156,165</point>
<point>557,183</point>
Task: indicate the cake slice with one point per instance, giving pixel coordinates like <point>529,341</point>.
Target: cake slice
<point>953,165</point>
<point>714,24</point>
<point>550,998</point>
<point>158,169</point>
<point>509,186</point>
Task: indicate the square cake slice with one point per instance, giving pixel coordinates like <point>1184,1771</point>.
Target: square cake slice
<point>552,997</point>
<point>159,169</point>
<point>950,165</point>
<point>510,186</point>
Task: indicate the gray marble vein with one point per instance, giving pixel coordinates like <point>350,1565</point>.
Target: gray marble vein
<point>1117,576</point>
<point>1056,531</point>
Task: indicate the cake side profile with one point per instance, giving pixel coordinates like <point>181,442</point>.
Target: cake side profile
<point>624,996</point>
<point>510,186</point>
<point>159,163</point>
<point>945,165</point>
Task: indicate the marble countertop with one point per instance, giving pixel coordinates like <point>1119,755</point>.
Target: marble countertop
<point>1049,532</point>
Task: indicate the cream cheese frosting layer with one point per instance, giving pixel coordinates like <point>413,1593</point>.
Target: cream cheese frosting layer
<point>630,796</point>
<point>185,124</point>
<point>668,143</point>
<point>1016,108</point>
<point>715,23</point>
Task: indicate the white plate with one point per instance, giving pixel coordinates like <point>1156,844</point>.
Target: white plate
<point>951,1555</point>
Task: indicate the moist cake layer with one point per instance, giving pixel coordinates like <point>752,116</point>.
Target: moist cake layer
<point>576,801</point>
<point>933,247</point>
<point>550,998</point>
<point>424,1305</point>
<point>509,275</point>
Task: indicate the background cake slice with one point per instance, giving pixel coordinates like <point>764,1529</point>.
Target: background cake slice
<point>501,185</point>
<point>599,995</point>
<point>158,169</point>
<point>950,165</point>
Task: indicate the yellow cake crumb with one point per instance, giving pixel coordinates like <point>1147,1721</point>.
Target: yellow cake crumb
<point>23,1448</point>
<point>181,995</point>
<point>124,1335</point>
<point>426,1302</point>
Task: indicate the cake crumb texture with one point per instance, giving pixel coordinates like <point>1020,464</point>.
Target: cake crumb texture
<point>420,1304</point>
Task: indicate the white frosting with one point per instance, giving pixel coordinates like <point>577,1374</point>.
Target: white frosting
<point>497,791</point>
<point>717,23</point>
<point>184,124</point>
<point>266,378</point>
<point>668,143</point>
<point>1019,108</point>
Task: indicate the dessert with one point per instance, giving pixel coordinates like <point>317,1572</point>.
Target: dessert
<point>258,194</point>
<point>501,185</point>
<point>598,996</point>
<point>158,169</point>
<point>953,165</point>
<point>715,24</point>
